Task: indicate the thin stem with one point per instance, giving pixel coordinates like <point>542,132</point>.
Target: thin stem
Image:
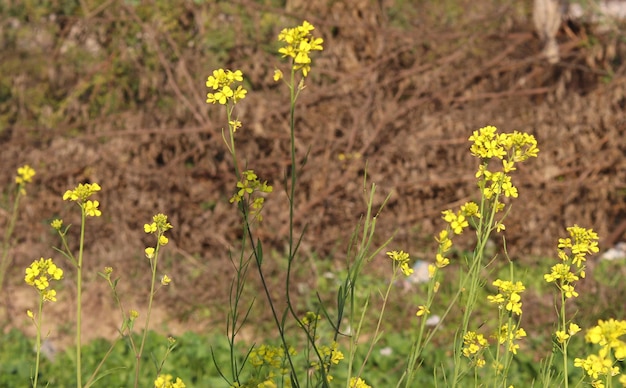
<point>38,344</point>
<point>153,264</point>
<point>79,293</point>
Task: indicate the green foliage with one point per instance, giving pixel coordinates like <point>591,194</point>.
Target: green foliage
<point>191,360</point>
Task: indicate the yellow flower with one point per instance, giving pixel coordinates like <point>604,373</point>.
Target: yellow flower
<point>165,280</point>
<point>165,381</point>
<point>57,224</point>
<point>298,45</point>
<point>357,382</point>
<point>81,192</point>
<point>278,75</point>
<point>149,252</point>
<point>163,240</point>
<point>569,291</point>
<point>561,336</point>
<point>422,310</point>
<point>222,81</point>
<point>91,209</point>
<point>39,274</point>
<point>25,174</point>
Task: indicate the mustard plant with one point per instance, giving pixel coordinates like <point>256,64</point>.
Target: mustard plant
<point>39,275</point>
<point>498,154</point>
<point>24,176</point>
<point>157,227</point>
<point>88,208</point>
<point>272,364</point>
<point>572,252</point>
<point>602,367</point>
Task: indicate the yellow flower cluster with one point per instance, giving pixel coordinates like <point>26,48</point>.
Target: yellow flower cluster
<point>510,148</point>
<point>509,335</point>
<point>158,227</point>
<point>457,222</point>
<point>612,349</point>
<point>165,381</point>
<point>248,185</point>
<point>572,251</point>
<point>562,335</point>
<point>39,274</point>
<point>80,195</point>
<point>402,260</point>
<point>24,175</point>
<point>331,356</point>
<point>508,295</point>
<point>298,45</point>
<point>473,343</point>
<point>222,81</point>
<point>269,356</point>
<point>357,382</point>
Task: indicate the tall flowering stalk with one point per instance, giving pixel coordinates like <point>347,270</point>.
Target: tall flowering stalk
<point>572,252</point>
<point>498,154</point>
<point>24,176</point>
<point>39,275</point>
<point>157,228</point>
<point>88,208</point>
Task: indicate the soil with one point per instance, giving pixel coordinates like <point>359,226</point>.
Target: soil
<point>397,101</point>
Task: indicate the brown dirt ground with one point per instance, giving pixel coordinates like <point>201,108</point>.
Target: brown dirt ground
<point>405,99</point>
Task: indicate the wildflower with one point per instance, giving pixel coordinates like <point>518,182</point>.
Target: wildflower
<point>159,224</point>
<point>278,75</point>
<point>165,280</point>
<point>457,222</point>
<point>81,192</point>
<point>298,45</point>
<point>509,335</point>
<point>508,296</point>
<point>235,125</point>
<point>561,336</point>
<point>470,209</point>
<point>149,252</point>
<point>486,143</point>
<point>585,242</point>
<point>222,82</point>
<point>309,318</point>
<point>473,343</point>
<point>440,261</point>
<point>596,366</point>
<point>165,381</point>
<point>402,259</point>
<point>39,274</point>
<point>422,310</point>
<point>607,334</point>
<point>25,175</point>
<point>91,209</point>
<point>357,382</point>
<point>57,224</point>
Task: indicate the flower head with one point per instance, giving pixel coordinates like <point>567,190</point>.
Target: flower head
<point>222,82</point>
<point>24,175</point>
<point>298,45</point>
<point>81,192</point>
<point>40,273</point>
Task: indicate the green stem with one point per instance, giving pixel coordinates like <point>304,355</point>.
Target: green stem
<point>79,293</point>
<point>153,264</point>
<point>563,324</point>
<point>38,343</point>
